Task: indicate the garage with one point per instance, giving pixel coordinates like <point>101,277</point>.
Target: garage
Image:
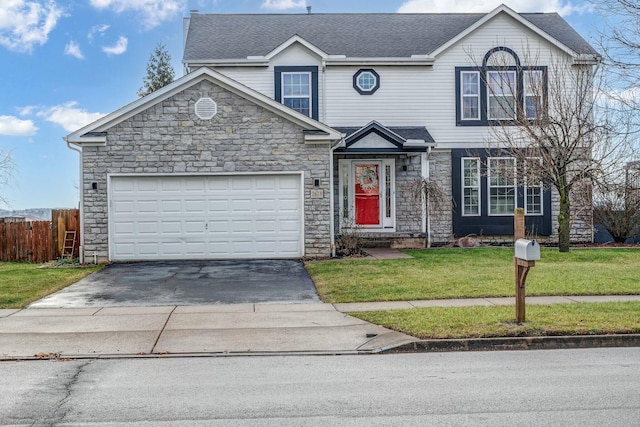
<point>237,216</point>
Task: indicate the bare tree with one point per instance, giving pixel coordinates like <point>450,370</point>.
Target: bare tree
<point>617,205</point>
<point>620,44</point>
<point>425,193</point>
<point>6,171</point>
<point>553,119</point>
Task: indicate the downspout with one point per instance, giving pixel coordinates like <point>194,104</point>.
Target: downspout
<point>323,119</point>
<point>332,213</point>
<point>81,191</point>
<point>428,177</point>
<point>332,221</point>
<point>426,212</point>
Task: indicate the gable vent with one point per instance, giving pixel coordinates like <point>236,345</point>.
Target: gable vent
<point>206,108</point>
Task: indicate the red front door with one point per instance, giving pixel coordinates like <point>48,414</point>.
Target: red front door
<point>367,193</point>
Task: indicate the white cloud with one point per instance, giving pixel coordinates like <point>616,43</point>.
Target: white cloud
<point>97,29</point>
<point>117,49</point>
<point>68,115</point>
<point>72,48</point>
<point>283,4</point>
<point>562,7</point>
<point>27,23</point>
<point>28,110</point>
<point>153,12</point>
<point>13,126</point>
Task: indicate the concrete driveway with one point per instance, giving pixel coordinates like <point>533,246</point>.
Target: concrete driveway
<point>189,283</point>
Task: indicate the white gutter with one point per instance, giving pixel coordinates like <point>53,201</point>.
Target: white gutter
<point>81,191</point>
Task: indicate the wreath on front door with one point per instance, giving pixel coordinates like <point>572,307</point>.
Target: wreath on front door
<point>367,177</point>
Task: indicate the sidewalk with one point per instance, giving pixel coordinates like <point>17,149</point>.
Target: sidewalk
<point>207,330</point>
<point>239,329</point>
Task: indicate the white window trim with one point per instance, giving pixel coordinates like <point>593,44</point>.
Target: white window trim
<point>526,187</point>
<point>514,95</point>
<point>478,187</point>
<point>283,97</point>
<point>351,196</point>
<point>463,95</point>
<point>489,186</point>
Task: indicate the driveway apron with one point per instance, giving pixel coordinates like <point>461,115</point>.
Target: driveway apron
<point>189,283</point>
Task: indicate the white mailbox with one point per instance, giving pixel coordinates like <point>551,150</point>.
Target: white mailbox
<point>527,250</point>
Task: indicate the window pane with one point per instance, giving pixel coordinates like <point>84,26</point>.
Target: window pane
<point>533,185</point>
<point>502,107</point>
<point>296,91</point>
<point>502,171</point>
<point>534,201</point>
<point>470,84</point>
<point>501,87</point>
<point>366,81</point>
<point>470,172</point>
<point>532,105</point>
<point>345,192</point>
<point>501,82</point>
<point>502,189</point>
<point>471,204</point>
<point>470,108</point>
<point>533,92</point>
<point>502,201</point>
<point>387,183</point>
<point>470,186</point>
<point>298,104</point>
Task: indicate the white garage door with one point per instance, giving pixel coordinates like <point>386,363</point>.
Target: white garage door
<point>205,217</point>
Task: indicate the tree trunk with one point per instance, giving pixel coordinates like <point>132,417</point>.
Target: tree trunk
<point>564,222</point>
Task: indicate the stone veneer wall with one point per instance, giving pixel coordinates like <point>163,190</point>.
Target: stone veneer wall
<point>169,138</point>
<point>442,212</point>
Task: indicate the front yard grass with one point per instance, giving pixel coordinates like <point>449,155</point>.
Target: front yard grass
<point>21,283</point>
<point>499,321</point>
<point>476,273</point>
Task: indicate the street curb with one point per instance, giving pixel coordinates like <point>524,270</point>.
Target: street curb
<point>519,343</point>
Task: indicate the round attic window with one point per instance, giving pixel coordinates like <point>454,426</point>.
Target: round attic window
<point>206,108</point>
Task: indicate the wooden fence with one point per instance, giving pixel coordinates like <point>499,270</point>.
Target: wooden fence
<point>38,241</point>
<point>63,220</point>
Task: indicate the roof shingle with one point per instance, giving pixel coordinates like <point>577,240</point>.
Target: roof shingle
<point>215,36</point>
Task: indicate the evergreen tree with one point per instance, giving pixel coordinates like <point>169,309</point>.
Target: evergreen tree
<point>159,71</point>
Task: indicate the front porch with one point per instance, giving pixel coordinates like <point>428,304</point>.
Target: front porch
<point>377,175</point>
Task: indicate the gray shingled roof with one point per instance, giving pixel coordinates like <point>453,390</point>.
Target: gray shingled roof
<point>213,36</point>
<point>406,132</point>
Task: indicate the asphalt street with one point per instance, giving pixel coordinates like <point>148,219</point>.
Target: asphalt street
<point>591,387</point>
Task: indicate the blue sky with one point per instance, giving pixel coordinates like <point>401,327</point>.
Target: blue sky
<point>65,63</point>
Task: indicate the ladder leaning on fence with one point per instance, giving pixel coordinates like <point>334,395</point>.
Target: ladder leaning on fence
<point>68,249</point>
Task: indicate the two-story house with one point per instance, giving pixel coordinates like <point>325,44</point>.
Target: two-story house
<point>287,129</point>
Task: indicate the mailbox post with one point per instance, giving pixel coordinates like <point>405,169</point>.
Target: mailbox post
<point>527,252</point>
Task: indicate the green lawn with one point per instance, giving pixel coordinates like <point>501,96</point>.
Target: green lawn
<point>21,283</point>
<point>481,272</point>
<point>498,321</point>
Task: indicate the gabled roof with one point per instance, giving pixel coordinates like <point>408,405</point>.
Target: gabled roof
<point>214,37</point>
<point>400,138</point>
<point>96,132</point>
